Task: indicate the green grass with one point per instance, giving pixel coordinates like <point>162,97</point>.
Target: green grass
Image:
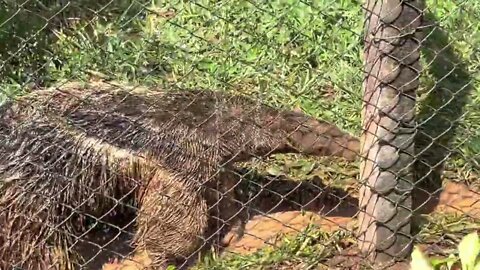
<point>309,249</point>
<point>288,53</point>
<point>439,234</point>
<point>291,53</point>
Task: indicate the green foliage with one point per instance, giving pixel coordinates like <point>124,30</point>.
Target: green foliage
<point>468,251</point>
<point>420,261</point>
<point>306,250</point>
<point>288,53</point>
<point>448,98</point>
<point>291,53</point>
<point>27,33</point>
<point>468,255</point>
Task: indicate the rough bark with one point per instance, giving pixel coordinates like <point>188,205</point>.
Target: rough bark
<point>392,67</point>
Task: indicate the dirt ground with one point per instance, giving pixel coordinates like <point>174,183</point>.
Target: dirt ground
<point>262,230</point>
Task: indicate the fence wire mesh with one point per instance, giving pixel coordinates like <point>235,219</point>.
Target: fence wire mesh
<point>286,134</point>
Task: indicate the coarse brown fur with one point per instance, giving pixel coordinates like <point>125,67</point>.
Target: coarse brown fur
<point>76,152</point>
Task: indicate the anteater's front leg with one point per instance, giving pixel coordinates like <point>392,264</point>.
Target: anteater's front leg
<point>172,220</point>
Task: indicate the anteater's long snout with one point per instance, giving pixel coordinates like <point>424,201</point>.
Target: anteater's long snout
<point>320,138</point>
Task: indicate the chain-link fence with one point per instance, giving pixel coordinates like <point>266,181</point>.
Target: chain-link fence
<point>286,134</point>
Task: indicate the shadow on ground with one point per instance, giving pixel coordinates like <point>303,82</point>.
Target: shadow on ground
<point>273,205</point>
<point>440,113</point>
